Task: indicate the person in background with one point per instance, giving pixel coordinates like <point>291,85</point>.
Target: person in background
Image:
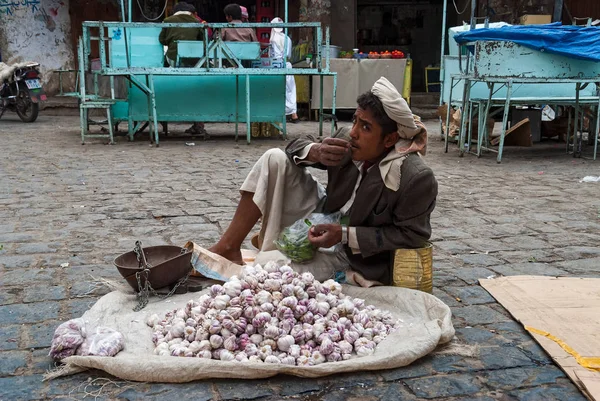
<point>280,42</point>
<point>244,14</point>
<point>200,20</point>
<point>183,13</point>
<point>233,15</point>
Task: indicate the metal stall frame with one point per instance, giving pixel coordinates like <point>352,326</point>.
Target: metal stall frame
<point>143,78</point>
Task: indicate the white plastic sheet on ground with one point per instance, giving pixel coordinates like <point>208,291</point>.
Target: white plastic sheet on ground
<point>426,323</point>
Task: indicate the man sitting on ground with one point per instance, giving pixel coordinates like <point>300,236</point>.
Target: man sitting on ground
<point>376,179</point>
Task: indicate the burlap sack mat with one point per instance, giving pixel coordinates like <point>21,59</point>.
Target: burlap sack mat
<point>426,322</point>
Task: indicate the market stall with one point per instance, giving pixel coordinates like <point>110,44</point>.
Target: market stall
<point>356,76</point>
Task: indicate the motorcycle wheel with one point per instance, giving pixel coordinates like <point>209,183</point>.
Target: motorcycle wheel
<point>25,108</point>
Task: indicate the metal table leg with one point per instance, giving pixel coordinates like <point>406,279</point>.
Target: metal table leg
<point>463,118</point>
<point>448,109</point>
<point>237,105</point>
<point>321,105</point>
<point>333,104</point>
<point>504,120</point>
<point>248,128</point>
<point>153,109</point>
<point>486,114</point>
<point>576,123</point>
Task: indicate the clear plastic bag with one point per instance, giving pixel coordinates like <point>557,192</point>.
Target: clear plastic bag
<point>293,240</point>
<point>67,339</point>
<point>104,342</point>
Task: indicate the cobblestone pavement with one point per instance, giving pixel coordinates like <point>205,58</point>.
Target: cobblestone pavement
<point>61,202</point>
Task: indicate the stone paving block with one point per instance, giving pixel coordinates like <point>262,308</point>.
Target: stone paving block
<point>578,252</point>
<point>29,313</point>
<point>11,361</point>
<point>487,245</point>
<point>9,295</point>
<point>503,357</point>
<point>479,259</point>
<point>290,385</point>
<point>534,351</point>
<point>544,227</point>
<point>526,242</point>
<point>43,292</point>
<point>477,314</point>
<point>441,363</point>
<point>77,307</point>
<point>452,247</point>
<point>443,278</point>
<point>571,239</point>
<point>39,335</point>
<point>41,362</point>
<point>39,247</point>
<point>451,233</point>
<point>480,336</point>
<point>582,225</point>
<point>21,388</point>
<point>243,390</point>
<point>196,391</point>
<point>512,331</point>
<point>355,379</point>
<point>6,237</point>
<point>470,295</point>
<point>444,386</point>
<point>581,266</point>
<point>509,379</point>
<point>565,392</point>
<point>531,256</point>
<point>445,298</point>
<point>419,368</point>
<point>88,289</point>
<point>532,269</point>
<point>18,261</point>
<point>9,337</point>
<point>393,391</point>
<point>471,275</point>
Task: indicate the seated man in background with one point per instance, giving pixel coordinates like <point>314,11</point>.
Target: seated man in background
<point>233,15</point>
<point>377,180</point>
<point>183,13</point>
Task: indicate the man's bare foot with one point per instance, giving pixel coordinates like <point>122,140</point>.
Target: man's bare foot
<point>232,254</point>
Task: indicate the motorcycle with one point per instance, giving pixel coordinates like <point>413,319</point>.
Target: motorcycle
<point>21,90</point>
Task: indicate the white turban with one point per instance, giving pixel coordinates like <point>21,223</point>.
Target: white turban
<point>396,108</point>
<point>413,135</point>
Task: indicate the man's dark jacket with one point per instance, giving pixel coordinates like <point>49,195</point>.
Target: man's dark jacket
<point>385,220</point>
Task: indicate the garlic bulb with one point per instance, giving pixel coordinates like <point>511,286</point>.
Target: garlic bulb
<point>216,341</point>
<point>272,359</point>
<point>153,320</point>
<point>232,288</point>
<point>285,342</point>
<point>272,315</point>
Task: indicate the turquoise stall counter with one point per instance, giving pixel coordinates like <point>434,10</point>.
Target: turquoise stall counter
<point>212,98</point>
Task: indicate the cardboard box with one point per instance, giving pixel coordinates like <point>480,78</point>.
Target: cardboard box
<point>529,19</point>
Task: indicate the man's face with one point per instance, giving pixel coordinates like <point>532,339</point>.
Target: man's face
<point>366,139</point>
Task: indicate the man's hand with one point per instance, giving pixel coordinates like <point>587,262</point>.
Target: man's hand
<point>330,152</point>
<point>325,235</point>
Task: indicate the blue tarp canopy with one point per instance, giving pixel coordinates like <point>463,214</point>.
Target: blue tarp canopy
<point>578,42</point>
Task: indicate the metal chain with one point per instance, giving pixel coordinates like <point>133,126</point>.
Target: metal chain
<point>144,292</point>
<point>143,296</point>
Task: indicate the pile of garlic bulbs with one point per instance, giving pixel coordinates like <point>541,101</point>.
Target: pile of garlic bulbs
<point>272,315</point>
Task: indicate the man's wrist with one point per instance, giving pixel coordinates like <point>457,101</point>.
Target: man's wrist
<point>314,153</point>
<point>344,240</point>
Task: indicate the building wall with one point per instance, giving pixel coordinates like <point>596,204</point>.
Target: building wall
<point>39,31</point>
